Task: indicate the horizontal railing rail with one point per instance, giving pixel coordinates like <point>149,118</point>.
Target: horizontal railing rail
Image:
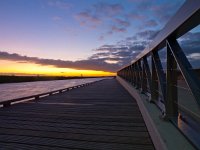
<point>146,71</point>
<point>8,103</point>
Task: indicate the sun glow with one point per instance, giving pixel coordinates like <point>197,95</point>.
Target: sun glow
<point>25,68</point>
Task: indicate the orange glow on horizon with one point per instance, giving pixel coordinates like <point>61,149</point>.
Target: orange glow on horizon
<point>26,68</point>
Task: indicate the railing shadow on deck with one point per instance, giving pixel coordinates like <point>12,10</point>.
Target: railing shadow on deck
<point>146,73</point>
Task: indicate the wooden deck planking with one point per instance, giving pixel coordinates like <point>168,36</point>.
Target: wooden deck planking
<point>100,116</point>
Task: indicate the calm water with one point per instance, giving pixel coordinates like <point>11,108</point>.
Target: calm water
<point>16,90</point>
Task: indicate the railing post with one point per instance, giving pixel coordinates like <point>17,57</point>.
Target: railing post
<point>138,80</point>
<point>161,77</point>
<point>148,72</point>
<point>140,74</point>
<point>144,80</point>
<point>171,106</point>
<point>186,69</point>
<point>154,83</point>
<point>131,73</point>
<point>134,75</point>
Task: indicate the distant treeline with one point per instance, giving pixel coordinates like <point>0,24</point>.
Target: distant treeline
<point>15,79</point>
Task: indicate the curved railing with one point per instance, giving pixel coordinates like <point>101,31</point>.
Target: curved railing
<point>146,71</point>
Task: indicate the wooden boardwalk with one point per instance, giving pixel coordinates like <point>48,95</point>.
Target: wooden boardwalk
<point>101,116</point>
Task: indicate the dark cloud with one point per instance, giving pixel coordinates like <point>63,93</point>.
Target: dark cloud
<point>91,64</point>
<point>105,58</point>
<point>126,50</point>
<point>112,57</point>
<point>191,47</point>
<point>148,34</point>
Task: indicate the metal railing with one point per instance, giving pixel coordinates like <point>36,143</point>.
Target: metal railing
<point>161,86</point>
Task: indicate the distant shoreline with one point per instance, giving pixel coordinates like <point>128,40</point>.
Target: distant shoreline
<point>17,79</point>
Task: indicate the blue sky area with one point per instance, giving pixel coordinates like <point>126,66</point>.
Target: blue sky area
<point>93,31</point>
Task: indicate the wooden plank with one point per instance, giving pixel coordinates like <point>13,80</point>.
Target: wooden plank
<point>100,116</point>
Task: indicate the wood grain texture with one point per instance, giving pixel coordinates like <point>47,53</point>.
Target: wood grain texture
<point>101,116</point>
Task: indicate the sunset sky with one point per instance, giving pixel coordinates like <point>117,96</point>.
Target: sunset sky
<point>74,37</point>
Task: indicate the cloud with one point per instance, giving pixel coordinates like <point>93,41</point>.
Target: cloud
<point>111,57</point>
<point>89,64</point>
<point>147,34</point>
<point>150,23</point>
<point>135,16</point>
<point>108,9</point>
<point>122,23</point>
<point>118,29</point>
<point>162,11</point>
<point>194,56</point>
<point>105,58</point>
<point>87,18</point>
<point>190,42</point>
<point>106,15</point>
<point>191,46</point>
<point>61,4</point>
<point>99,12</point>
